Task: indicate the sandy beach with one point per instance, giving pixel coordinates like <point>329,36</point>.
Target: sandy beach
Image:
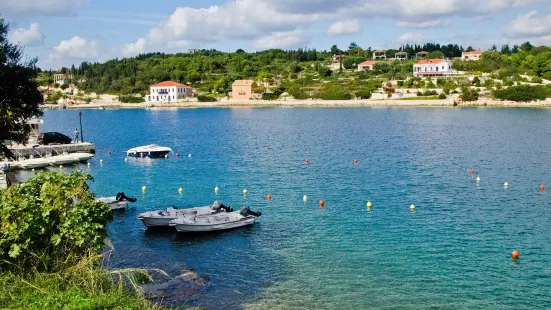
<point>307,104</point>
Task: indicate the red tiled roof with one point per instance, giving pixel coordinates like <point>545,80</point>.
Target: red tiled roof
<point>167,84</point>
<point>401,53</point>
<point>422,52</point>
<point>429,61</point>
<point>367,63</point>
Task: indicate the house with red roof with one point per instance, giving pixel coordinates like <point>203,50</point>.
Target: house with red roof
<point>168,91</point>
<point>474,55</point>
<point>366,66</point>
<point>433,68</point>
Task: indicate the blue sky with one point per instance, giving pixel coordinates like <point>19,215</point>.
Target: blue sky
<point>65,32</point>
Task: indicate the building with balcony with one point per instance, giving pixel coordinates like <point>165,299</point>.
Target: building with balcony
<point>433,68</point>
<point>379,54</point>
<point>401,56</point>
<point>471,56</point>
<point>168,91</point>
<point>366,66</point>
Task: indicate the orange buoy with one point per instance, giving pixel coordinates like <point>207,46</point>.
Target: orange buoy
<point>472,171</point>
<point>269,197</point>
<point>109,152</point>
<point>542,187</point>
<point>177,154</point>
<point>355,161</point>
<point>322,203</point>
<point>306,161</point>
<point>514,255</point>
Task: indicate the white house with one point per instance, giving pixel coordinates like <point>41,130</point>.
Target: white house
<point>432,67</point>
<point>168,91</point>
<point>474,55</point>
<point>366,66</point>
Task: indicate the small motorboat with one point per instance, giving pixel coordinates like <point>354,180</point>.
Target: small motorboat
<point>163,217</point>
<point>68,159</point>
<point>33,163</point>
<point>215,222</point>
<point>119,202</point>
<point>81,157</point>
<point>151,151</point>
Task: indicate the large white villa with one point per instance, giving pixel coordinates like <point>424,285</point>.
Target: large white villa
<point>168,91</point>
<point>433,67</point>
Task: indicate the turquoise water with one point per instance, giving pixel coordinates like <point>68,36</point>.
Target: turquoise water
<point>452,252</point>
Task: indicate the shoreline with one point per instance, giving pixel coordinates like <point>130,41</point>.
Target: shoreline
<point>308,104</point>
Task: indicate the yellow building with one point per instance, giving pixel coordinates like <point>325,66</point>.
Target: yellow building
<point>243,89</point>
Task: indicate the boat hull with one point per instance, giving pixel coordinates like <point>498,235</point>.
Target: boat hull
<point>156,221</point>
<point>162,218</point>
<point>113,203</point>
<point>154,154</point>
<point>182,227</point>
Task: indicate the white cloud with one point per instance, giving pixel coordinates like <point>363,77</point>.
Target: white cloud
<point>287,39</point>
<point>12,8</point>
<point>77,48</point>
<point>411,37</point>
<point>424,24</point>
<point>344,27</point>
<point>530,24</point>
<point>131,49</point>
<point>28,37</point>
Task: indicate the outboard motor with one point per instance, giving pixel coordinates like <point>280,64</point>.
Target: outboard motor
<point>246,211</point>
<point>217,205</point>
<point>122,197</point>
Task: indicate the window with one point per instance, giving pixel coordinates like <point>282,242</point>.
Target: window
<point>173,97</point>
<point>442,67</point>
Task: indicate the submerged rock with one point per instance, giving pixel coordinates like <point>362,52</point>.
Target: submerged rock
<point>182,289</point>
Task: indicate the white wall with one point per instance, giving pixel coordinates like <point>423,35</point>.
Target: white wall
<point>168,93</point>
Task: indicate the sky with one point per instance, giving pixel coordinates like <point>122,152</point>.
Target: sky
<point>66,32</point>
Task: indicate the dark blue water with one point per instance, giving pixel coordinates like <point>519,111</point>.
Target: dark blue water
<point>453,252</point>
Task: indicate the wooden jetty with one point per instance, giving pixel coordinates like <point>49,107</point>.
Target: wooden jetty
<point>28,151</point>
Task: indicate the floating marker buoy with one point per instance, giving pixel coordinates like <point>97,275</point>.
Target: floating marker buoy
<point>177,154</point>
<point>32,170</point>
<point>60,166</point>
<point>412,207</point>
<point>245,191</point>
<point>216,189</point>
<point>89,164</point>
<point>514,255</point>
<point>269,197</point>
<point>109,153</point>
<point>369,204</point>
<point>306,161</point>
<point>355,161</point>
<point>166,156</point>
<point>322,203</point>
<point>477,179</point>
<point>101,161</point>
<point>542,187</point>
<point>472,171</point>
<point>144,188</point>
<point>180,190</point>
<point>125,159</point>
<point>506,185</point>
<point>305,198</point>
<point>189,156</point>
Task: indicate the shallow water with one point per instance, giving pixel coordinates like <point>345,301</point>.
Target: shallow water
<point>453,252</point>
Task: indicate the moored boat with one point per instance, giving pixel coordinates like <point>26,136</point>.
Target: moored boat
<point>163,217</point>
<point>119,202</point>
<point>34,163</point>
<point>151,151</point>
<point>215,222</point>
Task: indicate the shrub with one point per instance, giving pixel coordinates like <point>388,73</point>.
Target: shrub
<point>419,93</point>
<point>298,93</point>
<point>50,221</point>
<point>363,94</point>
<point>469,95</point>
<point>270,96</point>
<point>54,97</point>
<point>130,99</point>
<point>204,98</point>
<point>442,96</point>
<point>524,93</point>
<point>537,80</point>
<point>335,92</point>
<point>430,93</point>
<point>64,86</point>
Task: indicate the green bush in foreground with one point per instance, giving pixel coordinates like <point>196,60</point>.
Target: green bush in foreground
<point>524,93</point>
<point>51,221</point>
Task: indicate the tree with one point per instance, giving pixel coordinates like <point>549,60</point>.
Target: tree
<point>435,55</point>
<point>19,96</point>
<point>505,49</point>
<point>469,49</point>
<point>526,46</point>
<point>335,50</point>
<point>493,48</point>
<point>352,45</point>
<point>51,221</point>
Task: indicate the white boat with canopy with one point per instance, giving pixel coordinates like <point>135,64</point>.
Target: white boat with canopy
<point>215,222</point>
<point>163,217</point>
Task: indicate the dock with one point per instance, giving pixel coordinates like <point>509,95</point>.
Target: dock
<point>7,179</point>
<point>30,151</point>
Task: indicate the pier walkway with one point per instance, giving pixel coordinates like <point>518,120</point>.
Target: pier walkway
<point>26,151</point>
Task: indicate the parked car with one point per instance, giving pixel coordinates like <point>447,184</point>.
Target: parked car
<point>48,138</point>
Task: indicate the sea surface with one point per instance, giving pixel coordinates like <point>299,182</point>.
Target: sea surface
<point>452,252</point>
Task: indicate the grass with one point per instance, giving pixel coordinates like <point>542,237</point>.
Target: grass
<point>421,98</point>
<point>86,285</point>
